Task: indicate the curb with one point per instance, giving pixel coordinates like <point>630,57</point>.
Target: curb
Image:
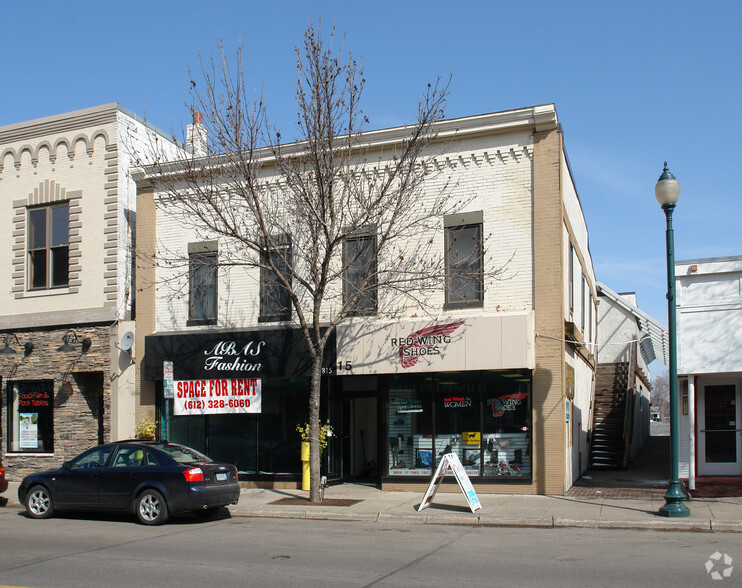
<point>694,526</point>
<point>542,522</point>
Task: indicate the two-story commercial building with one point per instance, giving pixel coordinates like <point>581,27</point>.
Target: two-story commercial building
<point>500,373</point>
<point>66,309</point>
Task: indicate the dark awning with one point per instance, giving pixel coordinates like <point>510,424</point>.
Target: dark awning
<point>231,354</point>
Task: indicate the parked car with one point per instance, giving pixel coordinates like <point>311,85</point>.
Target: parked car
<point>3,481</point>
<point>150,478</point>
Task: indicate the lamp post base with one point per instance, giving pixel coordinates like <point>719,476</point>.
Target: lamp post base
<point>674,506</point>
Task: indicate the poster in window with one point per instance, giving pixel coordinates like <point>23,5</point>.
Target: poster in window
<point>197,397</point>
<point>424,458</point>
<point>29,425</point>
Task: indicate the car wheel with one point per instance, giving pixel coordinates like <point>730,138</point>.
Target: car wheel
<point>39,503</point>
<point>151,508</point>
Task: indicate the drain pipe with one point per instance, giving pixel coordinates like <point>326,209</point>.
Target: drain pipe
<point>691,433</point>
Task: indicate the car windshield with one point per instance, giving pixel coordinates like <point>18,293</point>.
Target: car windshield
<point>183,454</point>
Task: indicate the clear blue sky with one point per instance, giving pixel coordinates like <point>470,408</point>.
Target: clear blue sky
<point>635,83</point>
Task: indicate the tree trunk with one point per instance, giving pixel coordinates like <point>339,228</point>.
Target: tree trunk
<point>314,446</point>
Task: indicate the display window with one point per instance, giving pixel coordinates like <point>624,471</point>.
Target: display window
<point>31,416</point>
<point>482,417</point>
<point>410,422</point>
<point>262,443</point>
<point>506,425</point>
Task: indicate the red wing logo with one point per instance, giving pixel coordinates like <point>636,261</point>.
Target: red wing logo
<point>507,402</point>
<point>425,342</point>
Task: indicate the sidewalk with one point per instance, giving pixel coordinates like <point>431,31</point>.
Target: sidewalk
<point>359,502</point>
<point>366,503</point>
<point>625,499</point>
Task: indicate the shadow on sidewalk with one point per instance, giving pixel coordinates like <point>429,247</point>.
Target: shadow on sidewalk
<point>645,478</point>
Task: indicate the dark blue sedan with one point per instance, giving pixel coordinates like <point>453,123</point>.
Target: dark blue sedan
<point>153,479</point>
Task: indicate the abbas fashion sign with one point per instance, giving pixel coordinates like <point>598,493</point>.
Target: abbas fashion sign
<point>194,397</point>
<point>226,355</point>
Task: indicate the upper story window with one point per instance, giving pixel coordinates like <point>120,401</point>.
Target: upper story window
<point>48,246</point>
<point>359,278</point>
<point>464,260</point>
<point>275,303</point>
<point>202,304</point>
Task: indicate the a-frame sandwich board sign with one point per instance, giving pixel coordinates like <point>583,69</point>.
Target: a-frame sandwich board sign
<point>451,460</point>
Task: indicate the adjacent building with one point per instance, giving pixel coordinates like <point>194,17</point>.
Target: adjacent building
<point>709,331</point>
<point>502,374</point>
<point>67,308</point>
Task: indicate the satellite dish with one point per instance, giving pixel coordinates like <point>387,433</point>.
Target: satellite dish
<point>127,341</point>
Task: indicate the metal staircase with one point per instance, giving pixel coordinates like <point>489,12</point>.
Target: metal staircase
<point>611,417</point>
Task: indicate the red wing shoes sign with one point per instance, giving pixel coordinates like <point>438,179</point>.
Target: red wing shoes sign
<point>427,341</point>
<point>489,342</point>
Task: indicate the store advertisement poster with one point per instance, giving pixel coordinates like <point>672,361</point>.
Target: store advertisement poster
<point>29,422</point>
<point>235,396</point>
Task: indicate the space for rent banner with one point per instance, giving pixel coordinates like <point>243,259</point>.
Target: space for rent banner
<point>193,397</point>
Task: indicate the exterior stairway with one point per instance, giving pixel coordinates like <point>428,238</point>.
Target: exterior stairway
<point>609,449</point>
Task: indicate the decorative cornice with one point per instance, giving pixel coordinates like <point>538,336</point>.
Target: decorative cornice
<point>60,123</point>
<point>536,118</point>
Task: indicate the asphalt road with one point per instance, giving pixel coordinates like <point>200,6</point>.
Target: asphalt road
<point>115,551</point>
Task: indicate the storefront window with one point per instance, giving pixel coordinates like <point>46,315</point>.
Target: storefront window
<point>457,418</point>
<point>232,438</point>
<point>263,443</point>
<point>31,416</point>
<point>410,427</point>
<point>482,417</point>
<point>506,427</point>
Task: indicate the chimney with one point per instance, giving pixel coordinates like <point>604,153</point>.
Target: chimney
<point>196,136</point>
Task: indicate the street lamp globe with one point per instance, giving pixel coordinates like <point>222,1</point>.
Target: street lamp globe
<point>667,188</point>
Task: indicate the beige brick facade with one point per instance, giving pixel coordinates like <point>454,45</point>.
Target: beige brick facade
<point>548,399</point>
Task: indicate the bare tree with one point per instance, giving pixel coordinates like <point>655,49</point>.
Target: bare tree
<point>337,224</point>
<point>660,395</point>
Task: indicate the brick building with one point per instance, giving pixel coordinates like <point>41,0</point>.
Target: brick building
<point>505,380</point>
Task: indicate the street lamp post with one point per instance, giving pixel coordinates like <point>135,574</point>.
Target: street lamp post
<point>667,190</point>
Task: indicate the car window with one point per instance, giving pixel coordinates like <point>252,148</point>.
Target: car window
<point>95,458</point>
<point>183,454</point>
<point>127,456</point>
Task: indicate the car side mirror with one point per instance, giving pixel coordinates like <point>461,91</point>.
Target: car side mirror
<point>66,465</point>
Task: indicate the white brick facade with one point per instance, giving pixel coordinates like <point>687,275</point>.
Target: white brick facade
<point>530,213</point>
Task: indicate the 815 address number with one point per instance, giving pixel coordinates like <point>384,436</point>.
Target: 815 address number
<point>340,367</point>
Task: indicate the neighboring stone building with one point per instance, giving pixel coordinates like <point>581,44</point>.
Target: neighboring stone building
<point>628,341</point>
<point>709,325</point>
<point>508,381</point>
<point>68,215</point>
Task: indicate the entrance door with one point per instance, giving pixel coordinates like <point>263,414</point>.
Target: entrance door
<point>720,431</point>
<point>354,450</point>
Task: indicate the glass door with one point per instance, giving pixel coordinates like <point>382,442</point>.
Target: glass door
<point>720,428</point>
